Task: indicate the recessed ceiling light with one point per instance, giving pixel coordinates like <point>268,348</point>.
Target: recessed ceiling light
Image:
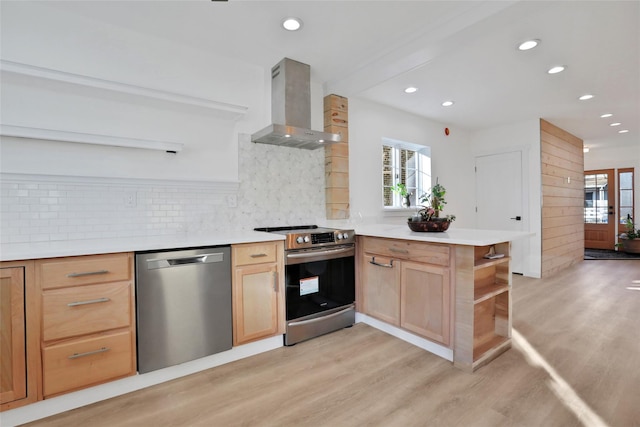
<point>623,131</point>
<point>585,150</point>
<point>411,89</point>
<point>447,103</point>
<point>529,44</point>
<point>605,115</point>
<point>615,124</point>
<point>585,97</point>
<point>557,69</point>
<point>292,24</point>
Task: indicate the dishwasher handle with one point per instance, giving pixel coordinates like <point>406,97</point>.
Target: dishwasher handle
<point>153,264</point>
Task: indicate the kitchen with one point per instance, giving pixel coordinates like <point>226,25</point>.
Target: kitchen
<point>220,179</point>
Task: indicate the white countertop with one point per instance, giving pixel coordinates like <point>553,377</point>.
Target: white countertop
<point>453,236</point>
<point>52,249</point>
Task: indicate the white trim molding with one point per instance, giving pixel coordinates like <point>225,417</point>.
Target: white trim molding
<point>230,111</point>
<point>88,138</point>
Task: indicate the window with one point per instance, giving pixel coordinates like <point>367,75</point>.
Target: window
<point>625,182</point>
<point>596,203</point>
<point>408,164</point>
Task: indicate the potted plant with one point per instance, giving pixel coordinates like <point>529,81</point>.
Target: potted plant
<point>630,239</point>
<point>428,218</point>
<point>401,189</point>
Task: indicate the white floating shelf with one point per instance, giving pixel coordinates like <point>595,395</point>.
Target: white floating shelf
<point>227,110</point>
<point>87,138</point>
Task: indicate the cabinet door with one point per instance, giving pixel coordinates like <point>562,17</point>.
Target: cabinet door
<point>255,302</point>
<point>425,291</point>
<point>381,288</point>
<point>12,325</point>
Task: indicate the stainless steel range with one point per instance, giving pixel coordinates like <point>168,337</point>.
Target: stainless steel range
<point>319,280</point>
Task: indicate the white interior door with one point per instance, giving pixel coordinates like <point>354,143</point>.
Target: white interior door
<point>499,198</point>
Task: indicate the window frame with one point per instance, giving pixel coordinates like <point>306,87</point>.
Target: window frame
<point>621,221</point>
<point>423,173</point>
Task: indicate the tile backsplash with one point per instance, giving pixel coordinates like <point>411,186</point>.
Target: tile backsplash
<point>277,186</point>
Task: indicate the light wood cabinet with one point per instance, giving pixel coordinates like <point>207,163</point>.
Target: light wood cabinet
<point>88,320</point>
<point>426,299</point>
<point>19,358</point>
<point>407,284</point>
<point>483,305</point>
<point>381,288</point>
<point>258,291</point>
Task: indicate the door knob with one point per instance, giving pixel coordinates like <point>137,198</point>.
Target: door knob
<point>517,218</point>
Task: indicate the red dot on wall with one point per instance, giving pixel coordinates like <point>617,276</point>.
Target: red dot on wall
<point>446,131</point>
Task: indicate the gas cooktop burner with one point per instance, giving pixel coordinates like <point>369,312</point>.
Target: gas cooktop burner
<point>308,236</point>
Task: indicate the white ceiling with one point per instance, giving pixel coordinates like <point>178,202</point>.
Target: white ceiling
<point>459,50</point>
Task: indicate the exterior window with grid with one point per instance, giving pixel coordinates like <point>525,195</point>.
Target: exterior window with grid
<point>408,164</point>
<point>625,207</point>
<point>596,198</point>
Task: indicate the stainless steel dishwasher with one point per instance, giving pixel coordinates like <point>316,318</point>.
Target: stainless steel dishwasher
<point>183,305</point>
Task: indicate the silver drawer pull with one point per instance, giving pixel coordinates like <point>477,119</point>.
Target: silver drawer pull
<point>373,261</point>
<point>258,255</point>
<point>89,353</point>
<point>399,251</point>
<point>88,273</point>
<point>89,301</point>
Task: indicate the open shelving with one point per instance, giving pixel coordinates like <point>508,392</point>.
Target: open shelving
<point>483,305</point>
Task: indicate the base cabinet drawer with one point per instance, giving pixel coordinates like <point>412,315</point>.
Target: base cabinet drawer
<point>247,254</point>
<point>84,270</point>
<point>80,310</point>
<point>89,361</point>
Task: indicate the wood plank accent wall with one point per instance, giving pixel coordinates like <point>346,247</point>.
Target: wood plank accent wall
<point>336,156</point>
<point>562,198</point>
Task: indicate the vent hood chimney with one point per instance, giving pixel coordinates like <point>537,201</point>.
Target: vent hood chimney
<point>291,110</point>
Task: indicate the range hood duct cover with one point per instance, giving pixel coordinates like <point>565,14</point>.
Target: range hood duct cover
<point>291,110</point>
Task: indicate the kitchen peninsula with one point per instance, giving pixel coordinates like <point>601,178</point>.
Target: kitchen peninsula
<point>439,286</point>
<point>434,287</point>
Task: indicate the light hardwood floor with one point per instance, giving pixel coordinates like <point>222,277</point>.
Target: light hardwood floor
<point>584,323</point>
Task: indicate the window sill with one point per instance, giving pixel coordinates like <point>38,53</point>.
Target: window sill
<point>393,212</point>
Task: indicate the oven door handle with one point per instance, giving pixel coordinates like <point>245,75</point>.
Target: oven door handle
<point>321,318</point>
<point>319,255</point>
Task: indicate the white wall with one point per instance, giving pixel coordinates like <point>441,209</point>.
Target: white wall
<point>38,34</point>
<point>53,191</point>
<point>451,164</point>
<point>525,137</point>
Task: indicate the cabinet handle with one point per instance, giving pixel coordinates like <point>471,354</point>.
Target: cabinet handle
<point>89,301</point>
<point>373,261</point>
<point>89,353</point>
<point>399,251</point>
<point>88,273</point>
<point>275,281</point>
<point>258,255</point>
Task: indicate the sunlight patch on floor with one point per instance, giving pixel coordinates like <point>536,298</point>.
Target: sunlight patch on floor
<point>563,391</point>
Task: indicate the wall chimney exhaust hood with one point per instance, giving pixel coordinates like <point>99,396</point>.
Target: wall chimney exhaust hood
<point>291,110</point>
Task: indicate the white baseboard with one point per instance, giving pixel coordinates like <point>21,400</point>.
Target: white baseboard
<point>431,347</point>
<point>46,408</point>
<point>69,401</point>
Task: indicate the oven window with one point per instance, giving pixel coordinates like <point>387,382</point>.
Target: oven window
<point>314,287</point>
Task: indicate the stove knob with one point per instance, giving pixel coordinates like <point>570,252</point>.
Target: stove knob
<point>339,236</point>
<point>299,239</point>
<point>345,236</point>
<point>306,239</point>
